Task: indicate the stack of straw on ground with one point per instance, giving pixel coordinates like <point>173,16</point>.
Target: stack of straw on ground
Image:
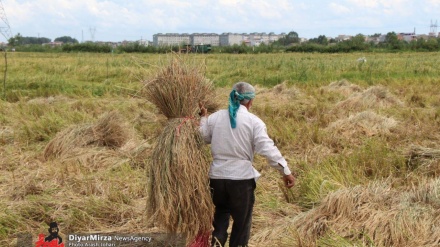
<point>372,215</point>
<point>179,195</point>
<point>108,141</point>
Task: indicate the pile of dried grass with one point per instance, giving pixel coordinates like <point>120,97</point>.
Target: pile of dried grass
<point>285,90</point>
<point>106,142</point>
<point>373,215</point>
<point>109,131</point>
<point>48,100</point>
<point>373,97</point>
<point>423,152</point>
<point>343,87</point>
<point>377,214</point>
<point>179,197</point>
<point>281,91</point>
<point>6,135</point>
<point>422,155</point>
<point>365,123</point>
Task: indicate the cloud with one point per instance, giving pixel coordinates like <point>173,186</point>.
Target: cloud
<point>121,19</point>
<point>388,7</point>
<point>339,9</point>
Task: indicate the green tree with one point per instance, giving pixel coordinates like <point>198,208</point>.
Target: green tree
<point>391,38</point>
<point>322,40</point>
<point>291,38</point>
<point>393,41</point>
<point>420,43</point>
<point>16,40</point>
<point>431,44</point>
<point>358,40</point>
<point>66,40</point>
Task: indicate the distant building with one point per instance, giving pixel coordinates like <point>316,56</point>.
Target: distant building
<point>227,39</point>
<point>275,37</point>
<point>302,40</point>
<point>224,39</point>
<point>204,39</point>
<point>434,35</point>
<point>343,37</point>
<point>374,39</point>
<point>170,39</point>
<point>408,37</point>
<point>423,36</point>
<point>53,44</point>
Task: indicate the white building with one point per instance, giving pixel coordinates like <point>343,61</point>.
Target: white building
<point>213,39</point>
<point>171,39</point>
<point>274,37</point>
<point>205,39</point>
<point>408,37</point>
<point>343,37</point>
<point>227,39</point>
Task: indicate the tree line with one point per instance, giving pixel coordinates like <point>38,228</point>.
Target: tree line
<point>289,43</point>
<point>19,40</point>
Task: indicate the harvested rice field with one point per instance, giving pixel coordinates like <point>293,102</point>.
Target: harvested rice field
<point>79,137</point>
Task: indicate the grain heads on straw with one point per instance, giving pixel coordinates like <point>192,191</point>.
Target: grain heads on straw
<point>373,97</point>
<point>107,142</point>
<point>178,88</point>
<point>365,123</point>
<point>343,87</point>
<point>179,196</point>
<point>427,157</point>
<point>284,91</point>
<point>109,131</point>
<point>376,214</point>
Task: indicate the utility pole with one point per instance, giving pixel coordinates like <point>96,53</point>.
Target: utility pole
<point>5,29</point>
<point>92,33</point>
<point>433,30</point>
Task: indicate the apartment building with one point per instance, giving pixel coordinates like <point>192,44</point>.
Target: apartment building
<point>227,39</point>
<point>170,39</point>
<point>212,39</point>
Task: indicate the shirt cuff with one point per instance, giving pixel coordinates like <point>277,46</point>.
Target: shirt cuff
<point>284,170</point>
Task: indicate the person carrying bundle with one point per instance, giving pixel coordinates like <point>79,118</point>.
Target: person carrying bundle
<point>235,135</point>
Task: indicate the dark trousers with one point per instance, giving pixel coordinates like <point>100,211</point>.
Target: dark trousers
<point>232,198</point>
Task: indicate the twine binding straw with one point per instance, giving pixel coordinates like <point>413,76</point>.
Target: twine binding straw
<point>183,121</point>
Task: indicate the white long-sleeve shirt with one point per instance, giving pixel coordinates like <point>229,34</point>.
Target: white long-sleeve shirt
<point>233,149</point>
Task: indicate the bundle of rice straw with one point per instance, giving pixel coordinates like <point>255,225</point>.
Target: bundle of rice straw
<point>343,87</point>
<point>108,132</point>
<point>377,214</point>
<point>363,123</point>
<point>422,155</point>
<point>179,196</point>
<point>373,97</point>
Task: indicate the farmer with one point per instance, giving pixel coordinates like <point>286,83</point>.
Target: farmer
<point>235,135</point>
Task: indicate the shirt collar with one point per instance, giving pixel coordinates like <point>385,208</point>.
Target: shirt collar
<point>243,108</point>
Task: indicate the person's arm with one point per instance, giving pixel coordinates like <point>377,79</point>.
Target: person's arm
<point>204,127</point>
<point>265,146</point>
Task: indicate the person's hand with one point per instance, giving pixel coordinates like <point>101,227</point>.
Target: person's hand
<point>203,110</point>
<point>289,180</point>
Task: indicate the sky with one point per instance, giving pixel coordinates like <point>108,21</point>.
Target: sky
<point>119,20</point>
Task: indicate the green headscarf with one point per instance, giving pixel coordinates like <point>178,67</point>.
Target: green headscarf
<point>234,104</point>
